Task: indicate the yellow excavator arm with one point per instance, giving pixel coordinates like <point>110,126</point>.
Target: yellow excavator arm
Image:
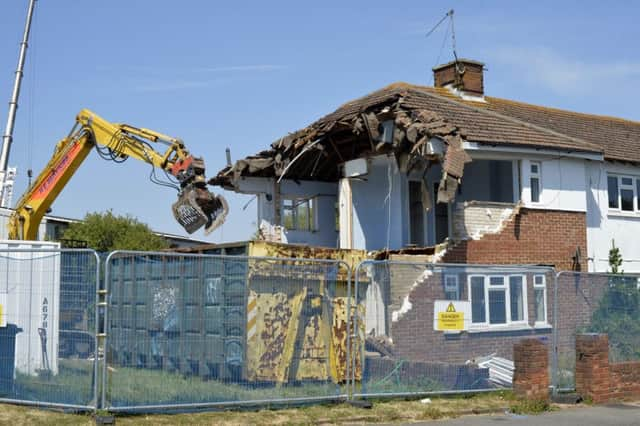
<point>196,206</point>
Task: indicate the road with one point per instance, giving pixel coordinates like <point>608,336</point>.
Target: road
<point>609,415</point>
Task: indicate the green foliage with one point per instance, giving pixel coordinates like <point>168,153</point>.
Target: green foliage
<point>615,258</point>
<point>618,313</point>
<point>107,232</point>
<point>529,406</point>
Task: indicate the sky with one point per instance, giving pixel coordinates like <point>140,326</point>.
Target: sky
<point>242,74</point>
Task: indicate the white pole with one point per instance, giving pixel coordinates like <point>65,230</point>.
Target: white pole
<point>7,138</point>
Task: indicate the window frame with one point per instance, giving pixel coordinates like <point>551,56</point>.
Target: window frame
<point>506,288</point>
<point>634,187</point>
<point>296,202</point>
<point>535,175</point>
<point>542,286</point>
<point>457,286</point>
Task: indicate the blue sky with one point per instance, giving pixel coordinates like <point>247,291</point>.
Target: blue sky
<point>242,74</point>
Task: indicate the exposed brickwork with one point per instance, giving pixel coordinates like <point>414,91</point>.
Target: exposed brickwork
<point>531,375</point>
<point>548,237</point>
<point>599,380</point>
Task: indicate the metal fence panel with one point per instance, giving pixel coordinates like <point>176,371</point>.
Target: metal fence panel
<point>188,330</point>
<point>400,333</point>
<point>48,323</point>
<point>595,303</point>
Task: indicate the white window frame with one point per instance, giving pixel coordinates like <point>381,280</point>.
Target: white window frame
<point>543,286</point>
<point>632,187</point>
<point>537,175</point>
<point>312,205</point>
<point>505,286</point>
<point>455,282</point>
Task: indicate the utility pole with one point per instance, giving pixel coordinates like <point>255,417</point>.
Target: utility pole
<point>7,184</point>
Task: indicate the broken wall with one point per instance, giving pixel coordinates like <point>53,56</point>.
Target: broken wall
<point>534,237</point>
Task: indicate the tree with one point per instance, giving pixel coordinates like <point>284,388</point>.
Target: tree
<point>107,232</point>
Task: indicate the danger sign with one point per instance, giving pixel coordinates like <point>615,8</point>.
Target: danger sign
<point>451,315</point>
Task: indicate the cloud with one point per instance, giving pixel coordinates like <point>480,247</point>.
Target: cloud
<point>227,72</point>
<point>559,73</point>
<point>166,86</point>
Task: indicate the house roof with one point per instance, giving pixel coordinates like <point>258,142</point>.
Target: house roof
<point>498,122</point>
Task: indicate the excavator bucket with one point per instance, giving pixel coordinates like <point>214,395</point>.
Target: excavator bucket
<point>197,207</point>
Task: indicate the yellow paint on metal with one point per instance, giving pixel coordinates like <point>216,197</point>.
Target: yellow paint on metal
<point>282,370</point>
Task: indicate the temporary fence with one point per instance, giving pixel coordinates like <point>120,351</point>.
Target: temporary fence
<point>189,331</point>
<point>171,331</point>
<point>48,319</point>
<point>594,303</point>
<point>430,328</point>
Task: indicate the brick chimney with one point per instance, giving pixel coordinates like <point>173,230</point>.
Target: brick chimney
<point>463,75</point>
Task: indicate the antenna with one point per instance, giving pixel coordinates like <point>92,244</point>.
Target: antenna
<point>451,27</point>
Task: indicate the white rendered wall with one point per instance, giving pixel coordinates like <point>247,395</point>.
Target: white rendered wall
<point>562,182</point>
<point>379,215</point>
<point>603,225</point>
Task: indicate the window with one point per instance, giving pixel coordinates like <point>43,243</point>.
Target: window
<point>506,296</point>
<point>540,298</point>
<point>451,287</point>
<point>298,214</point>
<point>478,309</point>
<point>534,181</point>
<point>623,193</point>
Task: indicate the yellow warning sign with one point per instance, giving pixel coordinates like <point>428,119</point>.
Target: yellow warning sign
<point>451,315</point>
<point>2,322</point>
<point>450,320</point>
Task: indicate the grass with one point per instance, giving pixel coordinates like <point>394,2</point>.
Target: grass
<point>131,386</point>
<point>382,412</point>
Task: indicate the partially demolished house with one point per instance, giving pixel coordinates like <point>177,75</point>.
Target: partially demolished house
<point>449,172</point>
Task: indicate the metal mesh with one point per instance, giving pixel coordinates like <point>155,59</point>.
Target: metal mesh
<point>595,303</point>
<point>404,347</point>
<point>201,330</point>
<point>47,335</point>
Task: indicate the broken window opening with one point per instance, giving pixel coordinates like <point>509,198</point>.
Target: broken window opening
<point>489,180</point>
<point>298,214</point>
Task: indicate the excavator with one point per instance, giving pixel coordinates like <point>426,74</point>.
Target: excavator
<point>196,206</point>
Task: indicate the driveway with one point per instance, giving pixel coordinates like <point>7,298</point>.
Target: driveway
<point>627,414</point>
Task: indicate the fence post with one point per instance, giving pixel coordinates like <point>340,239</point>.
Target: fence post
<point>554,337</point>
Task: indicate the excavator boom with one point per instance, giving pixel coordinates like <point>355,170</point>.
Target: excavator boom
<point>196,206</point>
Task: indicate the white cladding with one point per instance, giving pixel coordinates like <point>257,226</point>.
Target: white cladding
<point>604,226</point>
<point>30,285</point>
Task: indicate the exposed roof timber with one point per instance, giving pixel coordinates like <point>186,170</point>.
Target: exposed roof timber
<point>351,132</point>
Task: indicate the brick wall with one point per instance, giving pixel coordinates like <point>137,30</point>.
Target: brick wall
<point>548,237</point>
<point>415,339</point>
<point>597,378</point>
<point>474,219</point>
<point>531,375</point>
